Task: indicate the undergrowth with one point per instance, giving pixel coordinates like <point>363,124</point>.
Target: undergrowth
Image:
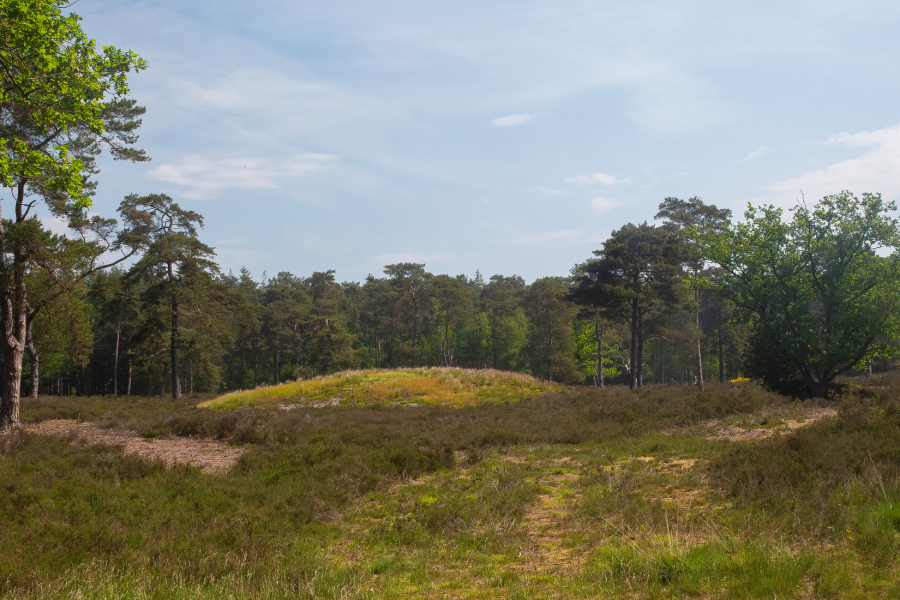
<point>388,501</point>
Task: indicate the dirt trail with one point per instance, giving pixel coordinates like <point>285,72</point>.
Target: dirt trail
<point>547,523</point>
<point>213,456</point>
<point>755,428</point>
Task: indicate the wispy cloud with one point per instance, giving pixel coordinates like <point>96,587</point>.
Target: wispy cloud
<point>511,120</point>
<point>876,170</point>
<point>601,178</point>
<point>604,205</point>
<point>378,262</point>
<point>756,153</point>
<point>204,178</point>
<point>547,236</point>
<point>550,191</point>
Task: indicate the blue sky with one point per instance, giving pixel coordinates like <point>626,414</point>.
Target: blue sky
<point>510,137</point>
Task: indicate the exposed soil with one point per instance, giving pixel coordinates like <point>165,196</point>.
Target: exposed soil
<point>213,456</point>
<point>546,524</point>
<point>752,431</point>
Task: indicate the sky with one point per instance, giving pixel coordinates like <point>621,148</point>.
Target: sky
<point>505,137</point>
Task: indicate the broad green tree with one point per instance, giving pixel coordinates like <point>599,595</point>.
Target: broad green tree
<point>61,104</point>
<point>819,287</point>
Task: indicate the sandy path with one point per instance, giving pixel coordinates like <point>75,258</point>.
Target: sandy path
<point>213,456</point>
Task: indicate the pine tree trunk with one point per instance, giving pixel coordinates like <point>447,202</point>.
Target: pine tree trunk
<point>34,358</point>
<point>598,335</point>
<point>116,366</point>
<point>633,355</point>
<point>128,390</point>
<point>176,381</point>
<point>699,351</point>
<point>640,359</point>
<point>277,369</point>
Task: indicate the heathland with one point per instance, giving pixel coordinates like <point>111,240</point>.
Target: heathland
<point>456,484</point>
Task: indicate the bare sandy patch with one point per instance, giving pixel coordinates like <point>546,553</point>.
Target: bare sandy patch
<point>213,456</point>
<point>722,431</point>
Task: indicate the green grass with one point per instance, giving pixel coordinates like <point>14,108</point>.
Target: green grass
<point>577,493</point>
<point>443,386</point>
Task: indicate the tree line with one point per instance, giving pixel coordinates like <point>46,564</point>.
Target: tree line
<point>138,305</point>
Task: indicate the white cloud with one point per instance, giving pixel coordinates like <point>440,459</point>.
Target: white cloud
<point>511,120</point>
<point>876,170</point>
<point>604,205</point>
<point>601,178</point>
<point>378,262</point>
<point>204,178</point>
<point>754,154</point>
<point>547,236</point>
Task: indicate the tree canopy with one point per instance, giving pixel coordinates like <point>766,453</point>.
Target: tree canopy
<point>821,288</point>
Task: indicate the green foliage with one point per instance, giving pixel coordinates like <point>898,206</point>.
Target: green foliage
<point>818,292</point>
<point>53,80</point>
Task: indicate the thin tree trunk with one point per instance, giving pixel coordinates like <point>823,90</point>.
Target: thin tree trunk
<point>662,368</point>
<point>176,381</point>
<point>633,357</point>
<point>243,369</point>
<point>128,389</point>
<point>550,346</point>
<point>414,332</point>
<point>640,359</point>
<point>598,335</point>
<point>33,357</point>
<point>391,346</point>
<point>116,365</point>
<point>277,369</point>
<point>699,351</point>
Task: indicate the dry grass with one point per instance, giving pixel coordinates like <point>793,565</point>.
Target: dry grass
<point>439,386</point>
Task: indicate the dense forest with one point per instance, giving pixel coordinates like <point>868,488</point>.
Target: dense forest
<point>648,308</point>
<point>138,304</point>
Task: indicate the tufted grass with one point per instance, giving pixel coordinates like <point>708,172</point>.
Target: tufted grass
<point>576,493</point>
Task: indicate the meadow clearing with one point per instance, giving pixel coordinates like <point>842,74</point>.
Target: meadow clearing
<point>435,483</point>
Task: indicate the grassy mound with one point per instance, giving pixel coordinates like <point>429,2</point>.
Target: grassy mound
<point>443,386</point>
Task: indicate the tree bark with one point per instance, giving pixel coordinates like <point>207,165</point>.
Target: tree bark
<point>128,389</point>
<point>33,357</point>
<point>14,307</point>
<point>116,364</point>
<point>598,335</point>
<point>176,380</point>
<point>721,346</point>
<point>699,351</point>
<point>633,355</point>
